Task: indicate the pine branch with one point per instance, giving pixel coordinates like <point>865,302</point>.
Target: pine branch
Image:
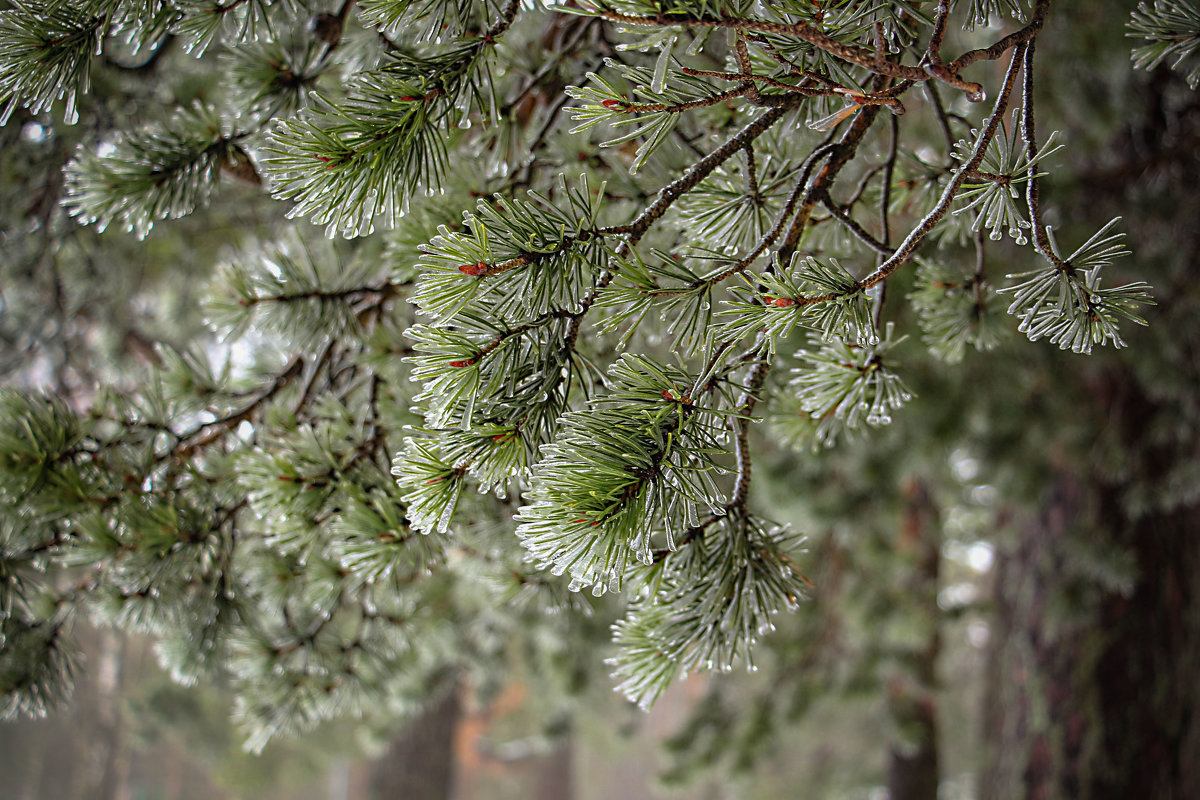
<point>155,173</point>
<point>851,53</point>
<point>1173,28</point>
<point>210,432</point>
<point>1032,190</point>
<point>45,56</point>
<point>917,235</point>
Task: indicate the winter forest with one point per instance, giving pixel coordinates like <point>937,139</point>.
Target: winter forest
<point>724,399</point>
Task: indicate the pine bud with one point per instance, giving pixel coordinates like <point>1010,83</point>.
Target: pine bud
<point>781,302</point>
<point>465,362</point>
<point>615,105</point>
<point>474,270</point>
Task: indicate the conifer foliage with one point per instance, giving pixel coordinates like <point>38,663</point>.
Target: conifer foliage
<point>578,251</point>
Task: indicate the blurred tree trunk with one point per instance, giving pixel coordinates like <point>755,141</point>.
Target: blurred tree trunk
<point>913,762</point>
<point>554,778</point>
<point>101,728</point>
<point>1098,705</point>
<point>419,763</point>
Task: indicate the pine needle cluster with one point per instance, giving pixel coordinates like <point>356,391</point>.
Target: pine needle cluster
<point>394,433</point>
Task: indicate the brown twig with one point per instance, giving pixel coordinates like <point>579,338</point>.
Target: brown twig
<point>1041,240</point>
<point>209,432</point>
<point>917,235</point>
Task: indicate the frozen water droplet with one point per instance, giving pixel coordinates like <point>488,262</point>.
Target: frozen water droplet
<point>995,235</point>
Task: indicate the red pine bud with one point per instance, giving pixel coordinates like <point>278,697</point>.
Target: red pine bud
<point>466,362</point>
<point>408,98</point>
<point>783,302</point>
<point>581,519</point>
<point>474,270</point>
<point>614,105</point>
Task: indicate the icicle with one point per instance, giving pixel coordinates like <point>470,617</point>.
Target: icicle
<point>659,82</point>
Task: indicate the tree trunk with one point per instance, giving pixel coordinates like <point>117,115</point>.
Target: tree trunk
<point>419,764</point>
<point>1100,704</point>
<point>554,773</point>
<point>913,763</point>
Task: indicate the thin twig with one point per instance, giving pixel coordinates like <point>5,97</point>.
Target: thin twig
<point>843,216</point>
<point>1041,240</point>
<point>917,235</point>
<point>209,432</point>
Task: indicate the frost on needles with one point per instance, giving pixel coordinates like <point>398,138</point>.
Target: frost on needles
<point>565,282</point>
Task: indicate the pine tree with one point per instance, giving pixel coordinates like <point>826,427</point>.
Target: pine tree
<point>572,255</point>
